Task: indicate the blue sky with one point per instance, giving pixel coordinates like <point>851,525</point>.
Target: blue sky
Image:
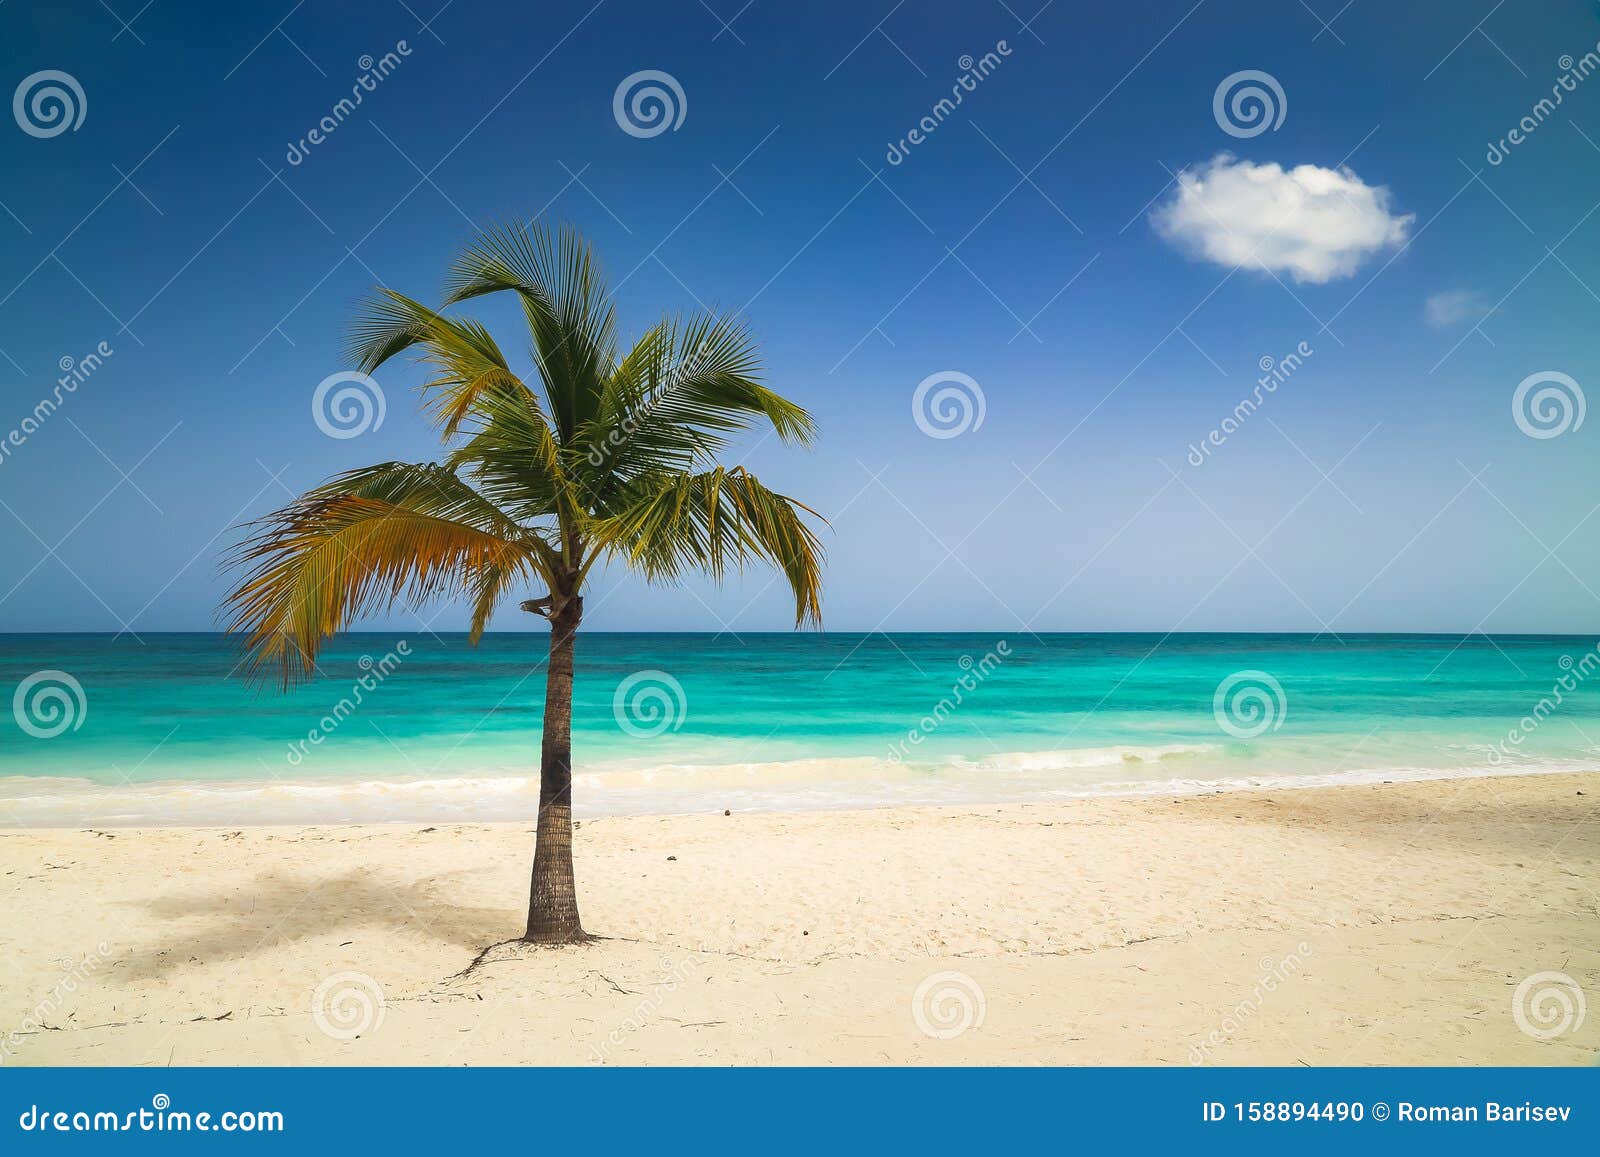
<point>1035,241</point>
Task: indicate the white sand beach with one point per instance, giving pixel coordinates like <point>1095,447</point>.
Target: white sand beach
<point>1378,924</point>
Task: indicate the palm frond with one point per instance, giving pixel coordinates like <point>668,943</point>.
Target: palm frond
<point>369,539</point>
<point>681,392</point>
<point>669,525</point>
<point>466,363</point>
<point>515,460</point>
<point>564,297</point>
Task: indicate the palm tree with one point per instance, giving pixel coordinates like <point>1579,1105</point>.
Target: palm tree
<point>611,457</point>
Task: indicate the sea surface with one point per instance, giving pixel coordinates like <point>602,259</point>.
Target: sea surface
<point>420,727</point>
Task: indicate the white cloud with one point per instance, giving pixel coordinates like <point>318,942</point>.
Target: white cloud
<point>1452,307</point>
<point>1313,223</point>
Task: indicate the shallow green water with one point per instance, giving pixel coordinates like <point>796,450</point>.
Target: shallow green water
<point>675,722</point>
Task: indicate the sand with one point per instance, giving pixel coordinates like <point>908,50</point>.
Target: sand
<point>1380,924</point>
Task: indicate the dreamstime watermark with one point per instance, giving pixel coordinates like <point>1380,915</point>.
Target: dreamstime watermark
<point>373,73</point>
<point>649,703</point>
<point>37,1019</point>
<point>673,976</point>
<point>1548,404</point>
<point>618,435</point>
<point>1577,671</point>
<point>48,103</point>
<point>1274,974</point>
<point>1573,73</point>
<point>348,404</point>
<point>976,671</point>
<point>1274,372</point>
<point>74,372</point>
<point>973,73</point>
<point>47,703</point>
<point>1249,703</point>
<point>948,404</point>
<point>347,1005</point>
<point>160,1117</point>
<point>374,672</point>
<point>947,1004</point>
<point>648,103</point>
<point>1248,103</point>
<point>1549,1005</point>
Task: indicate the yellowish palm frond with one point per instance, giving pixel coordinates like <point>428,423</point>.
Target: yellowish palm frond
<point>390,534</point>
<point>466,363</point>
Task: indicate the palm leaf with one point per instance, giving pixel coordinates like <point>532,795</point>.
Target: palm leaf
<point>564,297</point>
<point>364,541</point>
<point>670,525</point>
<point>681,392</point>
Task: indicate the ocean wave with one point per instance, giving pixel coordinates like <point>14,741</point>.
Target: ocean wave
<point>784,785</point>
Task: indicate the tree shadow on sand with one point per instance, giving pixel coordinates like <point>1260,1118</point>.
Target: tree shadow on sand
<point>241,922</point>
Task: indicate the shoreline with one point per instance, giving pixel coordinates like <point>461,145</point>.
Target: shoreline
<point>1372,924</point>
<point>406,800</point>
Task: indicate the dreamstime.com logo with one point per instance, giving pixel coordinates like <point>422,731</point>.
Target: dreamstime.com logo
<point>160,1117</point>
<point>1248,103</point>
<point>648,103</point>
<point>348,404</point>
<point>1548,404</point>
<point>373,73</point>
<point>947,1004</point>
<point>973,73</point>
<point>1574,673</point>
<point>649,703</point>
<point>1573,73</point>
<point>347,1005</point>
<point>49,103</point>
<point>948,404</point>
<point>674,975</point>
<point>48,703</point>
<point>373,673</point>
<point>1249,703</point>
<point>974,673</point>
<point>1274,373</point>
<point>1548,1005</point>
<point>1273,976</point>
<point>74,372</point>
<point>38,1018</point>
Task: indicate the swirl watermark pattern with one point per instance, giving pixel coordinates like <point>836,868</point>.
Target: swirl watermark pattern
<point>947,1004</point>
<point>47,703</point>
<point>948,404</point>
<point>1548,1005</point>
<point>648,103</point>
<point>1249,703</point>
<point>348,1004</point>
<point>1248,103</point>
<point>48,103</point>
<point>649,703</point>
<point>348,404</point>
<point>1548,404</point>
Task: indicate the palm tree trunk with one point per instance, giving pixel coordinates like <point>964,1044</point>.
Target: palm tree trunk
<point>553,900</point>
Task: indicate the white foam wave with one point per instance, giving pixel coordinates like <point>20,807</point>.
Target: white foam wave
<point>792,785</point>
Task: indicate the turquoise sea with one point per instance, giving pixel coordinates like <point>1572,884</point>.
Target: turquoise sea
<point>417,726</point>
